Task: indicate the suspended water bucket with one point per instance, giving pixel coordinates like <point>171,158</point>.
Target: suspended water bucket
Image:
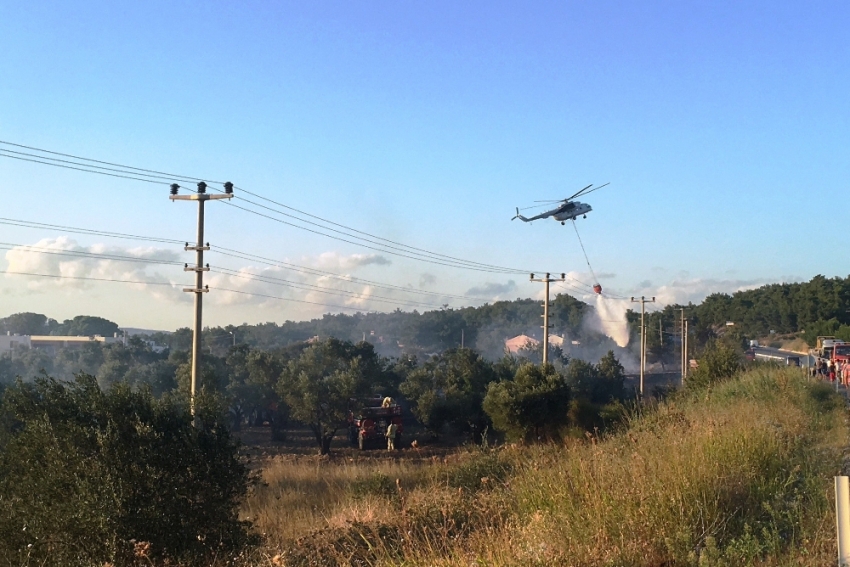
<point>598,289</point>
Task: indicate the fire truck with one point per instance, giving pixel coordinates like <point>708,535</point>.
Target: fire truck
<point>830,348</point>
<point>368,421</point>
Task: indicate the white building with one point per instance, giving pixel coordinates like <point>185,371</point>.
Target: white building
<point>50,343</point>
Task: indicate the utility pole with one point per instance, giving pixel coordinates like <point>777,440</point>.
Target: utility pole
<point>643,301</point>
<point>685,353</point>
<point>461,338</point>
<point>201,197</point>
<point>546,281</point>
<point>684,348</point>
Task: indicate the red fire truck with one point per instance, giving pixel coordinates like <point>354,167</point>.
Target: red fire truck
<point>369,419</point>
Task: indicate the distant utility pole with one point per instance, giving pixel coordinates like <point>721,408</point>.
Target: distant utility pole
<point>546,281</point>
<point>643,301</point>
<point>685,352</point>
<point>201,197</point>
<point>684,348</point>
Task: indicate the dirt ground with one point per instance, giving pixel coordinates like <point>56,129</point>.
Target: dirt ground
<point>258,445</point>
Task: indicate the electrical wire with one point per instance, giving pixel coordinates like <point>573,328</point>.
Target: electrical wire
<point>315,288</point>
<point>88,278</point>
<point>139,169</point>
<point>155,176</point>
<point>234,254</point>
<point>82,169</point>
<point>173,285</point>
<point>223,271</point>
<point>77,230</point>
<point>350,229</point>
<point>275,219</point>
<point>169,179</point>
<point>80,253</point>
<point>350,279</point>
<point>346,307</point>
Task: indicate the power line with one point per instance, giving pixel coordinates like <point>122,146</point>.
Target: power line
<point>422,250</point>
<point>40,150</point>
<point>315,288</point>
<point>233,254</point>
<point>383,249</point>
<point>349,279</point>
<point>349,308</point>
<point>155,176</point>
<point>170,284</point>
<point>87,231</point>
<point>88,278</point>
<point>224,271</point>
<point>57,161</point>
<point>79,253</point>
<point>81,169</point>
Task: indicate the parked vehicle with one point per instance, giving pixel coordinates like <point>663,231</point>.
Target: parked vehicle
<point>784,359</point>
<point>825,347</point>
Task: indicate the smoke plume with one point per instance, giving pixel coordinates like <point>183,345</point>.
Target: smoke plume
<point>609,318</point>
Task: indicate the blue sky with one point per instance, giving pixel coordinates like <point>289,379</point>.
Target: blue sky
<point>722,127</point>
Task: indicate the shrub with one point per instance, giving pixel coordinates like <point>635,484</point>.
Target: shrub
<point>90,477</point>
<point>483,470</point>
<point>718,362</point>
<point>377,484</point>
<point>532,405</point>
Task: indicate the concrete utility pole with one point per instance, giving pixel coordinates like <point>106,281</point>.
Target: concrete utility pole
<point>546,281</point>
<point>643,301</point>
<point>201,197</point>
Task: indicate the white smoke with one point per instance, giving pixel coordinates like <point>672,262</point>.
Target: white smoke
<point>609,318</point>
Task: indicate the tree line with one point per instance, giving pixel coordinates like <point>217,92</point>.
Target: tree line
<point>314,383</point>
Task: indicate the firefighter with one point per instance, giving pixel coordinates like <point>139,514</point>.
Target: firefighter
<point>392,428</point>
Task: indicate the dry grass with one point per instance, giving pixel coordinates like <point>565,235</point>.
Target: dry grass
<point>304,494</point>
<point>737,476</point>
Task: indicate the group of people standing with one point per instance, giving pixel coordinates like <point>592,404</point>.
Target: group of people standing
<point>832,371</point>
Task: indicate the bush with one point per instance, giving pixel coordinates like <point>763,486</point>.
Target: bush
<point>91,477</point>
<point>483,470</point>
<point>718,362</point>
<point>531,406</point>
<point>377,484</point>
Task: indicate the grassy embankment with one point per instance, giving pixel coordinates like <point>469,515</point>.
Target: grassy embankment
<point>738,475</point>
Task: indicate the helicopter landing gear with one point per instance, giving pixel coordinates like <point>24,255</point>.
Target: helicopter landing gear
<point>584,217</point>
<point>562,222</point>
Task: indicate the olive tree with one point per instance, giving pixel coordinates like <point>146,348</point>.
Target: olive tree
<point>319,384</point>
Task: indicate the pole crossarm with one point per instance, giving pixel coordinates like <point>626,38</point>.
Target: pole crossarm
<point>199,197</point>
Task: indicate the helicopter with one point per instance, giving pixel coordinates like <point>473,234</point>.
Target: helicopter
<point>566,210</point>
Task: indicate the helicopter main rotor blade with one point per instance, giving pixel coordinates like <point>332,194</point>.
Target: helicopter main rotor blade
<point>579,193</point>
<point>536,206</point>
<point>582,193</point>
